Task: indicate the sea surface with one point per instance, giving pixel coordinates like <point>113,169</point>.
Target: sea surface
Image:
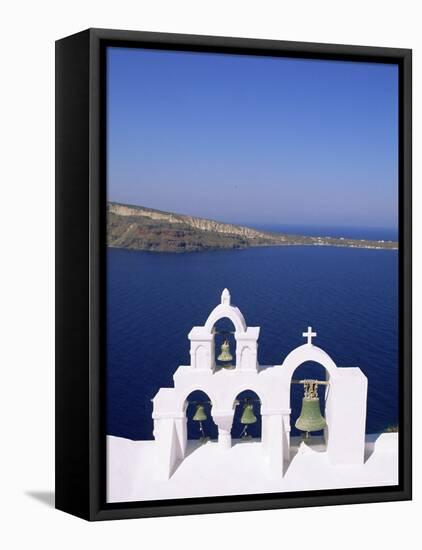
<point>348,295</point>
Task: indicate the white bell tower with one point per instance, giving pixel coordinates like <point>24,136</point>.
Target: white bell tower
<point>345,408</point>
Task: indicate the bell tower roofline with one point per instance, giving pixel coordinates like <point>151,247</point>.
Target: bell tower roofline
<point>202,341</point>
<point>226,309</point>
<point>225,297</point>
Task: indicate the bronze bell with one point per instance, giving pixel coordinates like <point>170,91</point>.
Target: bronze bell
<point>200,414</point>
<point>248,416</point>
<point>225,354</point>
<point>310,419</point>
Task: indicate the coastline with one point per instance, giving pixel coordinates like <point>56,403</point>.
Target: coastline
<point>394,247</point>
<point>140,228</point>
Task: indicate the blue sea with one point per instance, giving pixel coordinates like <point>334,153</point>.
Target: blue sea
<point>349,296</point>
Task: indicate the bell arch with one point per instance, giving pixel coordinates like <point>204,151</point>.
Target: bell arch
<point>183,396</point>
<point>233,314</point>
<point>308,352</point>
<point>225,309</point>
<point>202,338</point>
<point>308,370</point>
<point>198,413</point>
<point>345,402</point>
<point>300,356</point>
<point>246,387</point>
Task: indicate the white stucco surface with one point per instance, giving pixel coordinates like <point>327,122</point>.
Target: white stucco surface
<point>208,470</point>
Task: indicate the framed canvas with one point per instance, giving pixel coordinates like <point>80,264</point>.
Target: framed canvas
<point>233,274</point>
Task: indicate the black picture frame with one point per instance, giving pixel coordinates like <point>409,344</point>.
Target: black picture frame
<point>80,273</point>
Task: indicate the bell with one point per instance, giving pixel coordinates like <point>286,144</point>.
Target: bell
<point>310,419</point>
<point>199,415</point>
<point>248,416</point>
<point>225,354</point>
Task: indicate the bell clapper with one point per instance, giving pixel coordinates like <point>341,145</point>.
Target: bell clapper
<point>203,438</point>
<point>244,433</point>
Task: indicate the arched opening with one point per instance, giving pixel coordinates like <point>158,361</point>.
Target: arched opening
<point>200,424</point>
<point>224,344</point>
<point>306,411</point>
<point>247,422</point>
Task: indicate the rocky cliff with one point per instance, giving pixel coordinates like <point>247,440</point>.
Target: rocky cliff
<point>140,228</point>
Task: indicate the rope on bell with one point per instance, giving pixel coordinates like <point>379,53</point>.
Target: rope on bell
<point>310,387</point>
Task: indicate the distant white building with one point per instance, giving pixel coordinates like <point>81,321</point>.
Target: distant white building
<point>345,398</point>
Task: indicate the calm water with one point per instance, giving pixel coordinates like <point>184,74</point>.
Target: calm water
<point>349,296</point>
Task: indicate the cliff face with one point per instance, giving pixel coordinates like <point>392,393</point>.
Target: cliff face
<point>139,228</point>
<point>200,224</point>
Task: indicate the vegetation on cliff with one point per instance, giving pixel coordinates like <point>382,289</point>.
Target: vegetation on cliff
<point>140,228</point>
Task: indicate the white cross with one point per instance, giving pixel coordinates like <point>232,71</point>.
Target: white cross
<point>309,335</point>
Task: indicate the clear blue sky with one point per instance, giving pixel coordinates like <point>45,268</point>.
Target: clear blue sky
<point>248,139</point>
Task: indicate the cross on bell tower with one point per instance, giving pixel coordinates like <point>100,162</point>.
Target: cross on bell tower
<point>309,335</point>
